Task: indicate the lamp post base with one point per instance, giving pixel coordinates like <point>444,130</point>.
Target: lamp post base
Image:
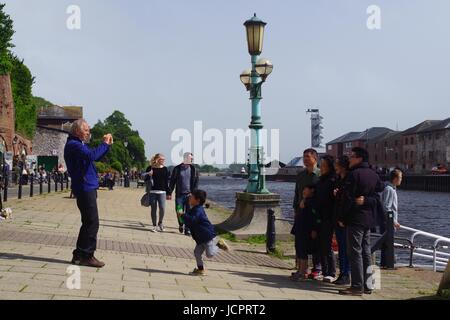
<point>250,216</point>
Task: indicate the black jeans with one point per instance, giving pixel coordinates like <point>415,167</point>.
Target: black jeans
<point>87,238</point>
<point>359,254</point>
<point>327,258</point>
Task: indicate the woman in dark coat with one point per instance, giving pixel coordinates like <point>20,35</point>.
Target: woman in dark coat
<point>325,207</point>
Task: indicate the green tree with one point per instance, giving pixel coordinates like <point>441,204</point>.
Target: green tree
<point>133,155</point>
<point>6,34</point>
<point>22,83</point>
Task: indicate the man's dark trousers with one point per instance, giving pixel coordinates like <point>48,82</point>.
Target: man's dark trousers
<point>358,246</point>
<point>87,238</point>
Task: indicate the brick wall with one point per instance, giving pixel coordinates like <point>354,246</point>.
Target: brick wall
<point>6,112</point>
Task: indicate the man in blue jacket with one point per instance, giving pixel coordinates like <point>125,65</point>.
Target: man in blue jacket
<point>80,165</point>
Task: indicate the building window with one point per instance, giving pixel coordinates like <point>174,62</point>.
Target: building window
<point>348,145</point>
<point>437,136</point>
<point>330,147</point>
<point>429,136</point>
<point>396,142</point>
<point>406,141</point>
<point>396,156</point>
<point>412,140</point>
<point>406,155</point>
<point>376,158</point>
<point>412,155</point>
<point>430,155</point>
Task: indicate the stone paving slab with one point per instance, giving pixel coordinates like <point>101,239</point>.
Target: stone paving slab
<point>36,246</point>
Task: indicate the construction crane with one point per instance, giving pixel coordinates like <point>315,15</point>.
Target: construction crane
<point>316,128</point>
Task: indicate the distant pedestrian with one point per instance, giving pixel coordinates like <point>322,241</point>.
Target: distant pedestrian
<point>309,176</point>
<point>202,230</point>
<point>389,200</point>
<point>80,164</point>
<point>361,187</point>
<point>341,167</point>
<point>184,179</point>
<point>160,191</point>
<point>325,207</point>
<point>306,232</point>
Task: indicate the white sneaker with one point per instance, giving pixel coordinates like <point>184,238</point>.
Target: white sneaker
<point>154,229</point>
<point>161,227</point>
<point>328,279</point>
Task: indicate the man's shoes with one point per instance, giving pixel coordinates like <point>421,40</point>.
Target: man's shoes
<point>342,280</point>
<point>367,291</point>
<point>181,229</point>
<point>223,245</point>
<point>198,272</point>
<point>357,292</point>
<point>328,279</point>
<point>88,262</point>
<point>187,232</point>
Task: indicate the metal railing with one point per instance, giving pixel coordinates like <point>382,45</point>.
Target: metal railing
<point>430,252</point>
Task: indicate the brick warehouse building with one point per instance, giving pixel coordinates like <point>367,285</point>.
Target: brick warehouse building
<point>10,141</point>
<point>415,150</point>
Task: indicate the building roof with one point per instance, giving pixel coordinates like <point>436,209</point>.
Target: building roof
<point>387,135</point>
<point>296,162</point>
<point>62,113</point>
<point>440,125</point>
<point>424,125</point>
<point>368,134</point>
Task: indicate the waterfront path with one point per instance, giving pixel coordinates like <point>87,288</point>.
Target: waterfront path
<point>36,245</point>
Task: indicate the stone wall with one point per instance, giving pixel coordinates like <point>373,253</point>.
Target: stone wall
<point>433,149</point>
<point>47,140</point>
<point>6,112</point>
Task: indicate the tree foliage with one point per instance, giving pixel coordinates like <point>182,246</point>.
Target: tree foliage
<point>120,157</point>
<point>22,83</point>
<point>6,34</point>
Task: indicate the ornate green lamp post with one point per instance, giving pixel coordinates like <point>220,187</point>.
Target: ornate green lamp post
<point>253,79</point>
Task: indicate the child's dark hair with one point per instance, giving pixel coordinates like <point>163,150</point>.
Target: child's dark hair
<point>310,186</point>
<point>199,195</point>
<point>394,174</point>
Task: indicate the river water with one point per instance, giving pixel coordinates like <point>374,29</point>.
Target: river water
<point>427,211</point>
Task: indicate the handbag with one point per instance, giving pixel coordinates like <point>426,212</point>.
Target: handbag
<point>145,200</point>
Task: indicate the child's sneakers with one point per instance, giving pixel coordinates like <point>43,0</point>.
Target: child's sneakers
<point>315,275</point>
<point>223,245</point>
<point>154,229</point>
<point>198,272</point>
<point>297,276</point>
<point>329,279</point>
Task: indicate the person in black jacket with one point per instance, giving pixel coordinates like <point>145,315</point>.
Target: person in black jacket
<point>157,184</point>
<point>184,179</point>
<point>342,168</point>
<point>362,187</point>
<point>306,232</point>
<point>325,207</point>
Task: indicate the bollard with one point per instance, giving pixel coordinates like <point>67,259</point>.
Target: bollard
<point>5,190</point>
<point>56,184</point>
<point>31,185</point>
<point>40,185</point>
<point>67,183</point>
<point>49,188</point>
<point>270,235</point>
<point>19,195</point>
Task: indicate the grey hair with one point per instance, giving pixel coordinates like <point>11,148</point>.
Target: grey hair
<point>76,127</point>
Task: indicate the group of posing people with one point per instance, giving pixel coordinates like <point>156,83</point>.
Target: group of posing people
<point>344,197</point>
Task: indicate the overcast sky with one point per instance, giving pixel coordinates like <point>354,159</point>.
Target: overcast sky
<point>168,63</point>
